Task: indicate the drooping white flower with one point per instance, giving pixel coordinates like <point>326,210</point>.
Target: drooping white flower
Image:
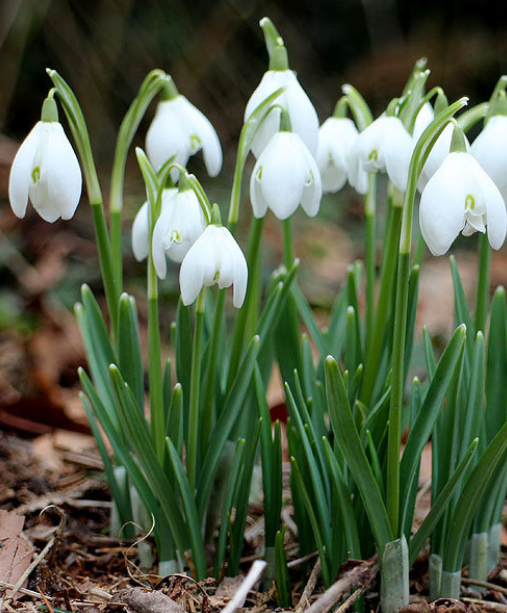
<point>140,227</point>
<point>179,225</point>
<point>490,150</point>
<point>285,175</point>
<point>336,137</point>
<point>461,197</point>
<point>179,129</point>
<point>294,100</point>
<point>215,257</point>
<point>384,145</point>
<point>46,170</point>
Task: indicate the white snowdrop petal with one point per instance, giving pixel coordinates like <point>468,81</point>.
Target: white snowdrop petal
<point>63,173</point>
<point>397,151</point>
<point>201,128</point>
<point>423,119</point>
<point>312,191</point>
<point>167,137</point>
<point>21,171</point>
<point>140,239</point>
<point>490,150</point>
<point>240,273</point>
<point>441,212</point>
<point>259,205</point>
<point>496,215</point>
<point>303,116</point>
<point>192,272</point>
<point>284,170</point>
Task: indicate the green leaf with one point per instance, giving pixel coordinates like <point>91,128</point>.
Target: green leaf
<point>428,415</point>
<point>174,427</point>
<point>461,312</point>
<point>316,477</point>
<point>348,440</point>
<point>129,348</point>
<point>232,407</point>
<point>281,571</point>
<point>314,521</point>
<point>241,501</point>
<point>441,503</point>
<point>308,318</point>
<point>227,503</point>
<point>469,500</point>
<point>346,509</point>
<point>183,351</point>
<point>496,388</point>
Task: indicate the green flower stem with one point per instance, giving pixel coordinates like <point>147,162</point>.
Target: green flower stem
<point>249,305</point>
<point>400,315</point>
<point>109,279</point>
<point>481,308</point>
<point>386,283</point>
<point>195,380</point>
<point>154,365</point>
<point>150,87</point>
<point>209,377</point>
<point>81,137</point>
<point>369,213</point>
<point>288,251</point>
<point>470,117</point>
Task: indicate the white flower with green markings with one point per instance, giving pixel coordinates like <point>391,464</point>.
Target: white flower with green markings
<point>46,170</point>
<point>385,145</point>
<point>285,176</point>
<point>337,135</point>
<point>180,130</point>
<point>179,225</point>
<point>214,258</point>
<point>461,197</point>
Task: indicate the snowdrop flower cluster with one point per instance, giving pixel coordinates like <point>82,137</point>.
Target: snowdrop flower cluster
<point>46,170</point>
<point>461,197</point>
<point>179,130</point>
<point>214,258</point>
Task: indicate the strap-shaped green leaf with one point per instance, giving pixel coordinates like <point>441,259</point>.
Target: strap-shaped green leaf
<point>232,407</point>
<point>129,348</point>
<point>469,501</point>
<point>496,388</point>
<point>346,509</point>
<point>347,437</point>
<point>428,415</point>
<point>440,505</point>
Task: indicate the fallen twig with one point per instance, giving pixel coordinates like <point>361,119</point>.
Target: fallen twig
<point>359,576</point>
<point>489,586</point>
<point>304,601</point>
<point>487,605</point>
<point>254,574</point>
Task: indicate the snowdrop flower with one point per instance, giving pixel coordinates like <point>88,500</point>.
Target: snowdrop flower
<point>384,145</point>
<point>293,99</point>
<point>215,257</point>
<point>180,130</point>
<point>336,137</point>
<point>460,197</point>
<point>285,175</point>
<point>490,150</point>
<point>140,227</point>
<point>180,223</point>
<point>46,170</point>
